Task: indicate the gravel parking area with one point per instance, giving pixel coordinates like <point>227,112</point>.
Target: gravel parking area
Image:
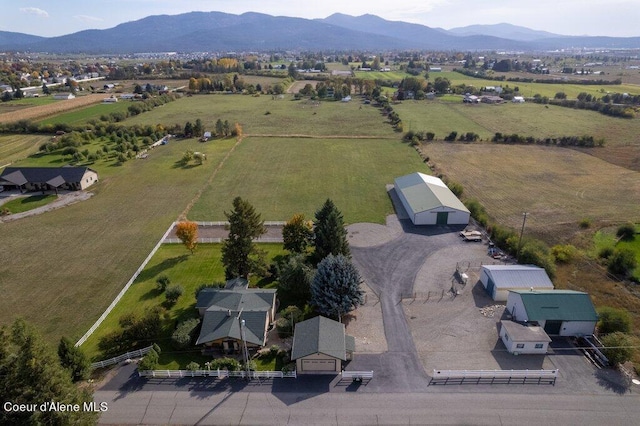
<point>64,199</point>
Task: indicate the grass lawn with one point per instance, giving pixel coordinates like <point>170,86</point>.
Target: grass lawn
<point>24,204</point>
<point>284,176</point>
<point>265,116</point>
<point>556,186</point>
<point>527,119</point>
<point>16,147</point>
<point>88,251</point>
<point>190,271</point>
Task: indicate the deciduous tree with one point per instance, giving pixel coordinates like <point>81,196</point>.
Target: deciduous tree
<point>294,283</point>
<point>335,289</point>
<point>187,232</point>
<point>297,234</point>
<point>239,255</point>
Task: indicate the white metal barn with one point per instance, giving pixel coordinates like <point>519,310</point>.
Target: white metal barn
<point>499,279</point>
<point>428,201</point>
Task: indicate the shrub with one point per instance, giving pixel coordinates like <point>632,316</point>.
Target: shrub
<point>622,261</point>
<point>184,333</point>
<point>618,347</point>
<point>451,137</point>
<point>563,253</point>
<point>149,362</point>
<point>274,349</point>
<point>173,293</point>
<point>605,252</point>
<point>626,232</point>
<point>292,313</point>
<point>612,320</point>
<point>283,326</point>
<point>225,364</point>
<point>193,366</point>
<point>455,187</point>
<point>584,223</point>
<point>537,253</point>
<point>162,282</point>
<point>477,211</point>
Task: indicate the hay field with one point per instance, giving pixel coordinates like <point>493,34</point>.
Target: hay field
<point>16,147</point>
<point>50,109</point>
<point>284,176</point>
<point>61,269</point>
<point>265,115</point>
<point>556,186</point>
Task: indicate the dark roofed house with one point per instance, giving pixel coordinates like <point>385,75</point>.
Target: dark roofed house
<point>47,178</point>
<point>223,310</point>
<point>320,345</point>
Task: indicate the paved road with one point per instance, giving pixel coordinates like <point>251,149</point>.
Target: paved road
<point>203,407</point>
<point>390,270</point>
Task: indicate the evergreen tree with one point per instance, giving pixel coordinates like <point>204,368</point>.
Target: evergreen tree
<point>335,289</point>
<point>74,360</point>
<point>240,257</point>
<point>330,233</point>
<point>32,374</point>
<point>294,283</point>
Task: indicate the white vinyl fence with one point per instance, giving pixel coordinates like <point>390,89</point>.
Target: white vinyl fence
<point>219,374</point>
<point>461,377</point>
<point>120,358</point>
<point>124,289</point>
<point>219,240</point>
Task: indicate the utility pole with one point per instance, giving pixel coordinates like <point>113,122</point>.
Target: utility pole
<point>524,220</point>
<point>245,355</point>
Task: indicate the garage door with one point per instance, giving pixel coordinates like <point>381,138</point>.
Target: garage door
<point>318,365</point>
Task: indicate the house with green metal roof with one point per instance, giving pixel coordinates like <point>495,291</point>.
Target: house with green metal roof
<point>320,345</point>
<point>558,312</point>
<point>231,316</point>
<point>428,201</point>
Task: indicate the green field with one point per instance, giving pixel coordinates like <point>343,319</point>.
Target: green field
<point>284,176</point>
<point>527,119</point>
<point>16,147</point>
<point>82,116</point>
<point>379,75</point>
<point>265,116</point>
<point>190,271</point>
<point>86,252</point>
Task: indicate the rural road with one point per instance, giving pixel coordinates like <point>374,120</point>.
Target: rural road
<point>203,407</point>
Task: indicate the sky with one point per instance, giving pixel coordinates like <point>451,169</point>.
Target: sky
<point>619,18</point>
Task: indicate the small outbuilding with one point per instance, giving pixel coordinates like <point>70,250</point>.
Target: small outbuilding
<point>498,280</point>
<point>63,96</point>
<point>523,338</point>
<point>428,201</point>
<point>558,312</point>
<point>320,346</point>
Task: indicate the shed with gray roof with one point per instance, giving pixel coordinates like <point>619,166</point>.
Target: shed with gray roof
<point>320,345</point>
<point>428,201</point>
<point>499,279</point>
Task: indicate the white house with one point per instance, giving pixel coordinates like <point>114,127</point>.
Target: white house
<point>558,312</point>
<point>523,338</point>
<point>498,280</point>
<point>428,201</point>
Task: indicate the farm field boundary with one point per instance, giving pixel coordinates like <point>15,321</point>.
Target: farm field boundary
<point>43,111</point>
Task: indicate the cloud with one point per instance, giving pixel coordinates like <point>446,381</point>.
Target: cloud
<point>34,11</point>
<point>87,18</point>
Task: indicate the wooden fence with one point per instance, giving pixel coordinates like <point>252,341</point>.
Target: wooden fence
<point>120,358</point>
<point>219,374</point>
<point>460,377</point>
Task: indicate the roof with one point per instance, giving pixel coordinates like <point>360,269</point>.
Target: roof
<point>558,305</point>
<point>424,192</point>
<point>525,333</point>
<point>321,335</point>
<point>217,324</point>
<point>223,307</point>
<point>518,276</point>
<point>22,175</point>
<point>236,299</point>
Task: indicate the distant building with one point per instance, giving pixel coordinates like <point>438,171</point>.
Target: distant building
<point>64,96</point>
<point>47,178</point>
<point>518,99</point>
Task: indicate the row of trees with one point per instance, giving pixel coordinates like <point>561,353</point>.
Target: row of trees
<point>514,138</point>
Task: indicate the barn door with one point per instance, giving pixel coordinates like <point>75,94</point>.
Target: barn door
<point>442,218</point>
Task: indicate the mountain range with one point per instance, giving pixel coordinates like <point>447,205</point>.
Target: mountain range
<point>217,31</point>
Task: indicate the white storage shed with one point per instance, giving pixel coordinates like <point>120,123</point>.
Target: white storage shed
<point>499,279</point>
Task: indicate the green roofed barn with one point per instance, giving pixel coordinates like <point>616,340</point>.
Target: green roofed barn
<point>428,201</point>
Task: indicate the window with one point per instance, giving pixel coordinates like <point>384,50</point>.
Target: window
<point>539,345</point>
<point>520,345</point>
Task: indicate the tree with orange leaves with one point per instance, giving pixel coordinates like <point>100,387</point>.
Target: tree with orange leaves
<point>187,232</point>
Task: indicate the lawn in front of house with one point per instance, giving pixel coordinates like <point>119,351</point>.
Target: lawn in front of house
<point>188,270</point>
<point>24,204</point>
